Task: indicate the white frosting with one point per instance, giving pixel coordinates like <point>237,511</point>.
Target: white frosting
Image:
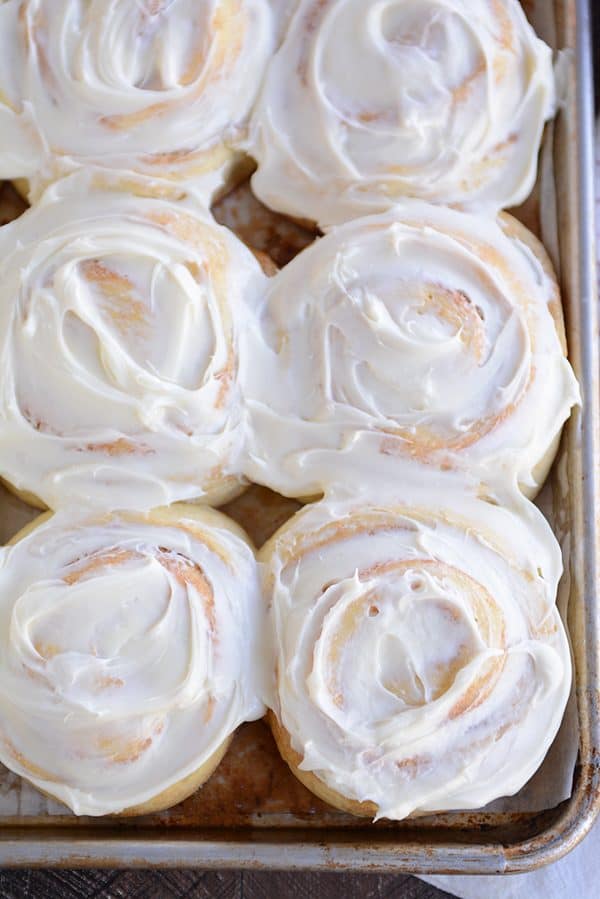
<point>425,335</point>
<point>158,86</point>
<point>119,322</point>
<point>421,662</point>
<point>367,102</point>
<point>129,654</point>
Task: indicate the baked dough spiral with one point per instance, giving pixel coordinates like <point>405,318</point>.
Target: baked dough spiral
<point>364,103</point>
<point>426,335</point>
<point>421,662</point>
<point>120,315</point>
<point>130,653</point>
<point>161,87</point>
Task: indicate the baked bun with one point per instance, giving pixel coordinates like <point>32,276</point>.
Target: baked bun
<point>163,88</point>
<point>421,664</point>
<point>120,315</point>
<point>130,653</point>
<point>428,336</point>
<point>366,103</point>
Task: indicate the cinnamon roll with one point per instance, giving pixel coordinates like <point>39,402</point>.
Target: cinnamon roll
<point>130,653</point>
<point>421,662</point>
<point>365,103</point>
<point>426,335</point>
<point>120,315</point>
<point>161,87</point>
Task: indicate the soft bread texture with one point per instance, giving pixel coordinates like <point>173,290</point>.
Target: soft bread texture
<point>424,338</point>
<point>421,664</point>
<point>163,88</point>
<point>364,104</point>
<point>309,778</point>
<point>180,790</point>
<point>139,696</point>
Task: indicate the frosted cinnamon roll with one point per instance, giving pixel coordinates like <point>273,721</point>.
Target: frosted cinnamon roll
<point>427,335</point>
<point>421,663</point>
<point>161,87</point>
<point>365,103</point>
<point>120,316</point>
<point>130,653</point>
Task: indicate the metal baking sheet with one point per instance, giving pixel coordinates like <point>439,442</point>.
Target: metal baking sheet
<point>253,812</point>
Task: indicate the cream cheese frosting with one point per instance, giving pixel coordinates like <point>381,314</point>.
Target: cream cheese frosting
<point>425,335</point>
<point>120,315</point>
<point>421,663</point>
<point>364,103</point>
<point>162,87</point>
<point>130,652</point>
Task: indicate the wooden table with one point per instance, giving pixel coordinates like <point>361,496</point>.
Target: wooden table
<point>209,885</point>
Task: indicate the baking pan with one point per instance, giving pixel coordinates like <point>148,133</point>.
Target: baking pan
<point>252,812</point>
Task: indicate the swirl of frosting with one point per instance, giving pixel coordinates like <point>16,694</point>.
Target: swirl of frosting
<point>162,87</point>
<point>364,103</point>
<point>421,662</point>
<point>130,653</point>
<point>120,316</point>
<point>425,334</point>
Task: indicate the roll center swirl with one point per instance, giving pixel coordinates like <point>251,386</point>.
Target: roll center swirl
<point>398,637</point>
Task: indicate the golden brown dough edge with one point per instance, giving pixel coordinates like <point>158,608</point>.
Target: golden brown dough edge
<point>310,779</point>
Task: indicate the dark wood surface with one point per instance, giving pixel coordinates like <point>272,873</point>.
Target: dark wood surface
<point>209,885</point>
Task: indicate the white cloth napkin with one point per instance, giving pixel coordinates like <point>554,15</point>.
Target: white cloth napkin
<point>575,875</point>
